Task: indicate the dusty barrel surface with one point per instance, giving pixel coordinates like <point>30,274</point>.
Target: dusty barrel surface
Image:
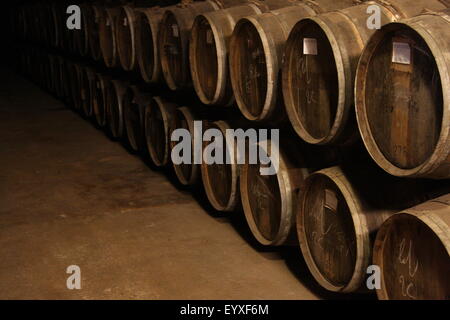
<point>107,34</point>
<point>126,37</point>
<point>114,111</point>
<point>159,122</point>
<point>340,212</point>
<point>187,172</point>
<point>173,40</point>
<point>94,17</point>
<point>319,75</point>
<point>269,201</point>
<point>412,248</point>
<point>256,53</point>
<point>403,97</point>
<point>147,51</point>
<point>134,103</point>
<point>99,98</point>
<point>220,180</point>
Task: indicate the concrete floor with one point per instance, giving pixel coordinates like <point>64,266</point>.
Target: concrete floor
<point>71,196</point>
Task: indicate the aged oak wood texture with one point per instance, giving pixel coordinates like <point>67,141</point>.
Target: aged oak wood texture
<point>412,249</point>
<point>126,37</point>
<point>135,101</point>
<point>339,214</point>
<point>221,180</point>
<point>403,107</point>
<point>321,57</point>
<point>209,48</point>
<point>256,53</point>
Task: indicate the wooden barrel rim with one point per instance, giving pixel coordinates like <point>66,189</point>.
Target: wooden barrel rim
<point>159,103</point>
<point>209,187</point>
<point>128,13</point>
<point>271,64</point>
<point>344,84</point>
<point>287,199</point>
<point>220,45</point>
<point>443,144</point>
<point>94,37</point>
<point>86,81</point>
<point>129,98</point>
<point>153,73</point>
<point>429,220</point>
<point>186,113</point>
<point>363,253</point>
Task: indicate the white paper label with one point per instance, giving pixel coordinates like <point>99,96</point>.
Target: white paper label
<point>108,23</point>
<point>401,53</point>
<point>125,22</point>
<point>309,46</point>
<point>175,30</point>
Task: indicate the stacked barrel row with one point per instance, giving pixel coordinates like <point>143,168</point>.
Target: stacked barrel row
<point>275,62</point>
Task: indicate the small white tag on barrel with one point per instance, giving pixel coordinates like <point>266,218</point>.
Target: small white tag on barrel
<point>108,23</point>
<point>175,31</point>
<point>125,22</point>
<point>310,46</point>
<point>401,53</point>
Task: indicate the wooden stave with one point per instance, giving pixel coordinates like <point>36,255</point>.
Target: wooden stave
<point>184,16</point>
<point>99,99</point>
<point>153,17</point>
<point>94,20</point>
<point>167,110</point>
<point>114,114</point>
<point>438,165</point>
<point>107,35</point>
<point>128,63</point>
<point>434,214</point>
<point>134,97</point>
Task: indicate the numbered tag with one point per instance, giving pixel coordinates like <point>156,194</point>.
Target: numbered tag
<point>175,31</point>
<point>125,22</point>
<point>209,37</point>
<point>401,53</point>
<point>310,46</point>
<point>331,201</point>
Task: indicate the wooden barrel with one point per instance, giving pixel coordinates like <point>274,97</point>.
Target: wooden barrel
<point>60,81</point>
<point>94,18</point>
<point>341,210</point>
<point>147,43</point>
<point>87,83</point>
<point>412,248</point>
<point>81,36</point>
<point>159,123</point>
<point>173,40</point>
<point>208,52</point>
<point>186,173</point>
<point>74,83</point>
<point>126,39</point>
<point>99,98</point>
<point>403,97</point>
<point>107,33</point>
<point>221,180</point>
<point>114,111</point>
<point>256,53</point>
<point>269,201</point>
<point>318,76</point>
<point>134,103</point>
